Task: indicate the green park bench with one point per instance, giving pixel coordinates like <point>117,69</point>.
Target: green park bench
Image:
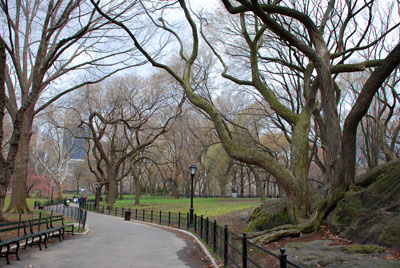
<point>32,232</point>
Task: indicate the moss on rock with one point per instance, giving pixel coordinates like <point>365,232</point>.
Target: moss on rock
<point>321,253</point>
<point>270,214</point>
<point>362,249</point>
<point>371,216</point>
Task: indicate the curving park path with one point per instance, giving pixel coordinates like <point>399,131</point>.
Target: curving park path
<point>113,242</point>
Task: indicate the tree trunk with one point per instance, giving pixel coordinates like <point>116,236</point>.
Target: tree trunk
<point>18,202</point>
<point>3,193</point>
<point>175,190</point>
<point>59,190</point>
<point>98,194</point>
<point>164,188</point>
<point>5,169</point>
<point>121,190</point>
<point>249,181</point>
<point>241,182</point>
<point>116,190</point>
<point>137,189</point>
<point>111,191</point>
<point>259,183</point>
<point>222,187</point>
<point>78,192</point>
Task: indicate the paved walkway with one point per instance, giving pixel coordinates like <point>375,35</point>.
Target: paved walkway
<point>113,242</point>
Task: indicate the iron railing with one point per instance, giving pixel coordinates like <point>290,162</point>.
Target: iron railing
<point>76,213</point>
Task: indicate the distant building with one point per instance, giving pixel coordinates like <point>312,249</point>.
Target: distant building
<point>75,144</point>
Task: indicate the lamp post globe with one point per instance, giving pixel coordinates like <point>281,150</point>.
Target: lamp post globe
<point>192,170</point>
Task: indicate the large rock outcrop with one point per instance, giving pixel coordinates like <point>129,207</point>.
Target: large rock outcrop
<point>270,214</point>
<point>371,215</point>
<point>321,253</point>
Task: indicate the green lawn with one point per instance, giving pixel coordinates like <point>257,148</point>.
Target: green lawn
<point>202,206</point>
<point>30,201</point>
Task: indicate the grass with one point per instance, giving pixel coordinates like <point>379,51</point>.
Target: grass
<point>30,201</point>
<point>202,206</point>
<point>34,213</point>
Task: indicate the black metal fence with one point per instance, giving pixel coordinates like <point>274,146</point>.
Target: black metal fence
<point>234,250</point>
<point>76,213</point>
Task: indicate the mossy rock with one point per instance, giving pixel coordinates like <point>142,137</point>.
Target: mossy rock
<point>390,233</point>
<point>371,216</point>
<point>270,214</point>
<point>377,173</point>
<point>319,196</point>
<point>321,253</point>
<point>362,249</point>
<point>347,213</point>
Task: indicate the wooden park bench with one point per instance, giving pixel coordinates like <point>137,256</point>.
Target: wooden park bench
<point>31,232</point>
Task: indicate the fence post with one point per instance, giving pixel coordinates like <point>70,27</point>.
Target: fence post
<point>109,210</point>
<point>143,214</point>
<point>215,236</point>
<point>282,258</point>
<point>84,223</point>
<point>179,220</point>
<point>244,250</point>
<point>207,224</point>
<point>151,216</point>
<point>135,213</point>
<point>79,219</point>
<point>195,223</point>
<point>169,218</point>
<point>116,211</point>
<point>187,220</point>
<point>160,217</point>
<point>201,226</point>
<point>226,246</point>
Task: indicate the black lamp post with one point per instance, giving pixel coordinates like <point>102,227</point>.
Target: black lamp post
<point>192,170</point>
<point>96,185</point>
<point>52,190</point>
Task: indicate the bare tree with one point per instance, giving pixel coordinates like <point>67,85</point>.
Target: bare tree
<point>56,148</point>
<point>48,44</point>
<point>125,117</point>
<point>328,49</point>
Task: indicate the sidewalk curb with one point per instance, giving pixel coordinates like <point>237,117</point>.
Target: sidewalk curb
<point>87,229</point>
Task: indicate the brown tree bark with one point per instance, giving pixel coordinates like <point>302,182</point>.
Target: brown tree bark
<point>137,189</point>
<point>18,202</point>
<point>359,109</point>
<point>121,190</point>
<point>260,188</point>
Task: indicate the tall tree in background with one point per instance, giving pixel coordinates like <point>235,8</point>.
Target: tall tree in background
<point>125,116</point>
<point>317,51</point>
<point>56,147</point>
<point>48,43</point>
